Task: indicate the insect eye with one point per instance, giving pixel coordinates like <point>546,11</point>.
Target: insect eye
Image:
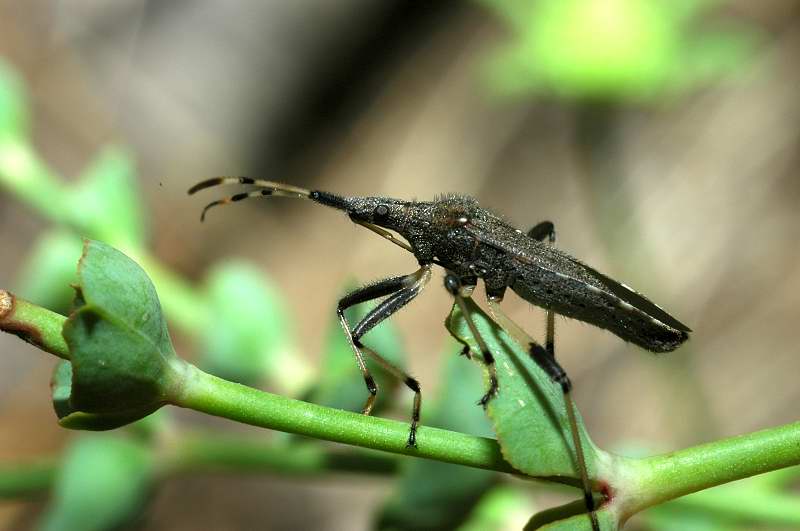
<point>381,211</point>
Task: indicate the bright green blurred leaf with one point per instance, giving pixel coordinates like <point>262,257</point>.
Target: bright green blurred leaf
<point>340,382</point>
<point>251,335</point>
<point>503,507</point>
<point>764,502</point>
<point>123,363</point>
<point>106,203</point>
<point>612,49</point>
<point>528,413</point>
<point>103,483</point>
<point>49,270</point>
<point>432,495</point>
<point>13,104</point>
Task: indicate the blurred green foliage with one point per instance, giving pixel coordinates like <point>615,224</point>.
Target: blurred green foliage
<point>239,318</point>
<point>251,331</point>
<point>103,483</point>
<point>48,272</point>
<point>105,201</point>
<point>764,502</point>
<point>13,104</point>
<point>434,495</point>
<point>615,50</point>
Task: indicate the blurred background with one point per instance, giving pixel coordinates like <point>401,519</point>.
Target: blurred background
<point>662,138</point>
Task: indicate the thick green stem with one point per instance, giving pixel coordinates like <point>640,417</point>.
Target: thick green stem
<point>34,324</point>
<point>215,396</point>
<point>192,452</point>
<point>664,477</point>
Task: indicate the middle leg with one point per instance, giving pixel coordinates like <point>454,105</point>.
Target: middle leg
<point>460,292</point>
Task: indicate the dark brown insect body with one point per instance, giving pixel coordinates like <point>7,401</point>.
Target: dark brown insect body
<point>471,243</point>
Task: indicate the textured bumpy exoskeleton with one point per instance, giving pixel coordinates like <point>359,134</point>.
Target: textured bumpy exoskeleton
<point>471,243</point>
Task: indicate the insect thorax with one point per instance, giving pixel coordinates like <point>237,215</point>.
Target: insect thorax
<point>452,243</point>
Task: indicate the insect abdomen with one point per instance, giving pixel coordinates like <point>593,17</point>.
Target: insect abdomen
<point>599,307</point>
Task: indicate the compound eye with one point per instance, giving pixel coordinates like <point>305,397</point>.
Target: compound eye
<point>381,211</point>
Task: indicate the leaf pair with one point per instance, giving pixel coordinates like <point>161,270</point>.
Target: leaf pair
<point>122,364</point>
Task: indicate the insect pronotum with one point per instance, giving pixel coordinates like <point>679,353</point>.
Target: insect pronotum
<point>471,243</point>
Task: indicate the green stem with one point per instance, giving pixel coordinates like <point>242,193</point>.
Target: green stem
<point>635,483</point>
<point>192,452</point>
<point>29,179</point>
<point>36,325</point>
<point>664,477</point>
<point>215,396</point>
<point>205,452</point>
<point>26,479</point>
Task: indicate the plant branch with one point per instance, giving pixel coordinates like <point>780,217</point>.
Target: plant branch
<point>660,478</point>
<point>209,394</point>
<point>206,393</point>
<point>26,479</point>
<point>36,325</point>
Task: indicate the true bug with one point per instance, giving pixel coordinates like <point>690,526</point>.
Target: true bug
<point>471,243</point>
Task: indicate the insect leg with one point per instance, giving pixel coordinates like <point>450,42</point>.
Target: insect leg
<point>544,358</point>
<point>402,293</point>
<point>547,231</point>
<point>368,293</point>
<point>544,230</point>
<point>456,289</point>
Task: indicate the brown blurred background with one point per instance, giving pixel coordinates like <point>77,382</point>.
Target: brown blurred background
<point>693,200</point>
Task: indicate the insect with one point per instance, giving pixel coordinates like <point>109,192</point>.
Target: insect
<point>471,243</point>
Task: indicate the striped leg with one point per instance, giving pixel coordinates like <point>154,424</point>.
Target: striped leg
<point>399,291</point>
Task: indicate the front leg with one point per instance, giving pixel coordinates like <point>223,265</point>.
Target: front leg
<point>400,291</point>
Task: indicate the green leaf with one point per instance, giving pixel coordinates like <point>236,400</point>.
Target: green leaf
<point>69,417</point>
<point>571,517</point>
<point>106,203</point>
<point>759,501</point>
<point>49,270</point>
<point>501,508</point>
<point>103,483</point>
<point>340,383</point>
<point>435,495</point>
<point>123,363</point>
<point>528,413</point>
<point>615,50</point>
<point>251,336</point>
<point>13,104</point>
